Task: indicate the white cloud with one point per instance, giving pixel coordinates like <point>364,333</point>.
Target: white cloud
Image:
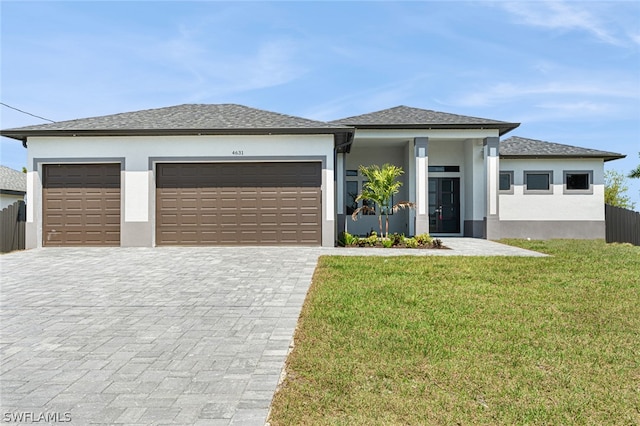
<point>579,107</point>
<point>510,92</point>
<point>564,16</point>
<point>214,66</point>
<point>376,98</point>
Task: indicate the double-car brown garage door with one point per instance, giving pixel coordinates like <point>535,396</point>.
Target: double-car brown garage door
<point>238,204</point>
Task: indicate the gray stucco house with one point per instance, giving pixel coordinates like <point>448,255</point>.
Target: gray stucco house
<point>231,175</point>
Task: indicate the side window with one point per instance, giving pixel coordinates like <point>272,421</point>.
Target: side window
<point>578,182</point>
<point>354,187</point>
<point>538,182</point>
<point>506,182</point>
<point>369,204</point>
<point>352,194</point>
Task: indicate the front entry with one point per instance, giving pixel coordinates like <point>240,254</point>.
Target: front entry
<point>444,205</point>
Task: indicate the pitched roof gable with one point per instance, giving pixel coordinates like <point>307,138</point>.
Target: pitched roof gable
<point>181,119</point>
<point>519,147</point>
<point>407,117</point>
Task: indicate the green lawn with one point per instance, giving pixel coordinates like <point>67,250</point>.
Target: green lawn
<point>469,340</point>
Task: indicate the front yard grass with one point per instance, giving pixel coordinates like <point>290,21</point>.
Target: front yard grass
<point>469,340</point>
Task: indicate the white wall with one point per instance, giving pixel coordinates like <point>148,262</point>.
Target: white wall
<point>137,150</point>
<point>7,199</point>
<point>557,206</point>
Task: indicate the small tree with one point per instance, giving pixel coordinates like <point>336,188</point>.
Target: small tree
<point>382,185</point>
<point>615,190</point>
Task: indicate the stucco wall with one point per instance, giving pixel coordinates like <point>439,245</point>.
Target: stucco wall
<point>138,155</point>
<point>557,205</point>
<point>7,199</point>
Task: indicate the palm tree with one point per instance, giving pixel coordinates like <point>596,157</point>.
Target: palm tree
<point>635,173</point>
<point>382,185</point>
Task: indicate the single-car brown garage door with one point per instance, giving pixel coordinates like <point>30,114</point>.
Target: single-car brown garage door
<point>81,205</point>
<point>238,204</point>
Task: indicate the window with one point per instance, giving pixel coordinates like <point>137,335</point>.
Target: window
<point>352,194</point>
<point>441,169</point>
<point>506,182</point>
<point>352,173</point>
<point>538,182</point>
<point>353,189</point>
<point>368,203</point>
<point>578,182</point>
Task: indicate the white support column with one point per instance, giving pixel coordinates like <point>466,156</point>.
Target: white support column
<point>422,185</point>
<point>136,226</point>
<point>341,164</point>
<point>492,176</point>
<point>33,226</point>
<point>340,179</point>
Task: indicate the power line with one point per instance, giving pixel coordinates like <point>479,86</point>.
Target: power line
<point>25,112</point>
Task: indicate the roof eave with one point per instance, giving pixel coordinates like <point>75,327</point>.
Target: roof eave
<point>22,135</point>
<point>16,192</point>
<point>502,128</point>
<point>524,156</point>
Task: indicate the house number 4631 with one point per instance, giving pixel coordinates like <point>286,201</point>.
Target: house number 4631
<point>237,152</point>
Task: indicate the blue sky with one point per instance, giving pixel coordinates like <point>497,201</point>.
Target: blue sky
<point>568,71</point>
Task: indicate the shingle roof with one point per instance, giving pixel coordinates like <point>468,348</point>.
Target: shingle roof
<point>179,119</point>
<point>517,146</point>
<point>12,180</point>
<point>407,117</point>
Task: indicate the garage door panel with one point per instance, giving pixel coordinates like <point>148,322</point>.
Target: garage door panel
<point>81,204</point>
<point>239,203</point>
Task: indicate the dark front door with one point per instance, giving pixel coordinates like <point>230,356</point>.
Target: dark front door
<point>444,205</point>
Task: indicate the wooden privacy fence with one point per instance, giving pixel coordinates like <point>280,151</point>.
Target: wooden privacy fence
<point>622,225</point>
<point>12,221</point>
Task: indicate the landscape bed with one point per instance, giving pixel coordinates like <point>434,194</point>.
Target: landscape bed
<point>421,241</point>
<point>469,340</point>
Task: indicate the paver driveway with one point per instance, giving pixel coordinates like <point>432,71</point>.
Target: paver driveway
<point>148,336</point>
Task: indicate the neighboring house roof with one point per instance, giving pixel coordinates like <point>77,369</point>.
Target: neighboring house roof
<point>416,118</point>
<point>12,181</point>
<point>518,147</point>
<point>181,120</point>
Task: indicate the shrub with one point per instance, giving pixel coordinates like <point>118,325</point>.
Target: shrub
<point>396,239</point>
<point>411,242</point>
<point>387,243</point>
<point>345,239</point>
<point>372,239</point>
<point>424,240</point>
<point>351,240</point>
